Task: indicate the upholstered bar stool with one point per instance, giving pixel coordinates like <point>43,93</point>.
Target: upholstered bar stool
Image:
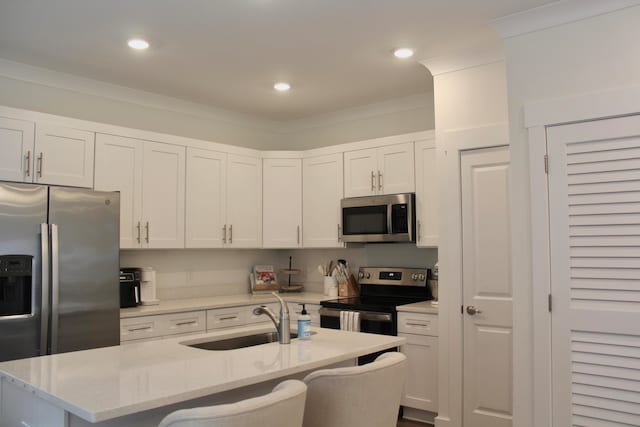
<point>283,407</point>
<point>359,396</point>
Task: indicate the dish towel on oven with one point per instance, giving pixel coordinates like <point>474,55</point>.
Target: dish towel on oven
<point>350,321</point>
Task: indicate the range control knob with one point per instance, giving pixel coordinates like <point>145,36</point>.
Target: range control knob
<point>414,276</point>
<point>421,276</point>
<point>360,275</point>
<point>368,275</point>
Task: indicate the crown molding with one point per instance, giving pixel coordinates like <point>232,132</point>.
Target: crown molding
<point>554,14</point>
<point>466,58</point>
<point>83,85</point>
<point>396,105</point>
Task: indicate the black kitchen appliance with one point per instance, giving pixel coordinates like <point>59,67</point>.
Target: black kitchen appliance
<point>130,287</point>
<point>382,289</point>
<point>383,219</point>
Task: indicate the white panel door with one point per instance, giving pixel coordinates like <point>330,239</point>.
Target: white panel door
<point>16,150</point>
<point>396,169</point>
<point>426,194</point>
<point>361,173</point>
<point>594,212</point>
<point>322,191</point>
<point>205,198</point>
<point>244,202</point>
<point>163,188</point>
<point>282,203</point>
<point>487,298</point>
<point>118,167</point>
<point>64,156</point>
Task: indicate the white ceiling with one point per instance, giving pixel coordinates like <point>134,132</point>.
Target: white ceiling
<point>228,53</point>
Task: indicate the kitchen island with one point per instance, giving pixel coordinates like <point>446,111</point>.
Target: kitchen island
<point>138,384</point>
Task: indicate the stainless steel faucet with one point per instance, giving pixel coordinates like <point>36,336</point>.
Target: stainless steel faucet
<point>282,323</point>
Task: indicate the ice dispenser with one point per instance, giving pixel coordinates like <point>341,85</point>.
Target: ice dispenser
<point>15,285</point>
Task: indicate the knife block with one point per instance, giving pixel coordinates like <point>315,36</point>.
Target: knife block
<point>349,288</point>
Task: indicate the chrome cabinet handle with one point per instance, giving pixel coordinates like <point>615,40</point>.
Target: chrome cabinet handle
<point>298,234</point>
<point>416,324</point>
<point>40,162</point>
<point>138,228</point>
<point>28,160</point>
<point>144,328</point>
<point>231,234</point>
<point>471,310</point>
<point>373,181</point>
<point>147,237</point>
<point>224,234</point>
<point>190,322</point>
<point>229,318</point>
<point>379,180</point>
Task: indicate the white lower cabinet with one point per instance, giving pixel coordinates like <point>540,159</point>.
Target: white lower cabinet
<point>421,349</point>
<point>136,329</point>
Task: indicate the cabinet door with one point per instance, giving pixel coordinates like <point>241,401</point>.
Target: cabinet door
<point>282,203</point>
<point>16,150</point>
<point>421,388</point>
<point>322,191</point>
<point>163,195</point>
<point>206,198</point>
<point>64,156</point>
<point>426,194</point>
<point>119,168</point>
<point>395,169</point>
<point>244,201</point>
<point>360,173</point>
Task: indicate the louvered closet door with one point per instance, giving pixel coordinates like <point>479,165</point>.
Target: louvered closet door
<point>594,190</point>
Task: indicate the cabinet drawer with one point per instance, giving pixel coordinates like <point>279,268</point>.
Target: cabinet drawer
<point>418,323</point>
<point>181,323</point>
<point>226,317</point>
<point>136,328</point>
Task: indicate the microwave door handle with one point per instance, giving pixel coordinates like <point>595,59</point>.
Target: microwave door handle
<point>390,219</point>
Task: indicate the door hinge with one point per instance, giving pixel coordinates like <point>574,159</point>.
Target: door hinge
<point>549,303</point>
<point>546,164</point>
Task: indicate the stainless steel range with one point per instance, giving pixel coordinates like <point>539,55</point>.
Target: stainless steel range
<point>382,289</point>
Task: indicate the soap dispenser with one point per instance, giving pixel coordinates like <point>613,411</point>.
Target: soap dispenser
<point>304,324</point>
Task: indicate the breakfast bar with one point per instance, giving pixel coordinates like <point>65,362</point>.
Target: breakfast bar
<point>138,384</point>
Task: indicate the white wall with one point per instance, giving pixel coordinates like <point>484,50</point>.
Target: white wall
<point>193,273</point>
<point>580,57</point>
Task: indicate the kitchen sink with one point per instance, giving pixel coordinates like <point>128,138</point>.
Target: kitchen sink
<point>239,342</point>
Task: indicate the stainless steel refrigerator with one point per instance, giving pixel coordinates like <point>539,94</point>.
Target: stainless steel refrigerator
<point>59,270</point>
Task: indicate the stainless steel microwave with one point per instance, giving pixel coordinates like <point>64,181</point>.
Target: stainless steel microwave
<point>388,218</point>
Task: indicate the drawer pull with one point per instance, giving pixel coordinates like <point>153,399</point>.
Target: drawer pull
<point>144,328</point>
<point>229,318</point>
<point>190,322</point>
<point>417,324</point>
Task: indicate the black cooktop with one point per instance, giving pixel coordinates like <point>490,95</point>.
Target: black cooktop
<point>385,304</point>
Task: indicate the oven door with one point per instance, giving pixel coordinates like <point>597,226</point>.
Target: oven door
<point>372,322</point>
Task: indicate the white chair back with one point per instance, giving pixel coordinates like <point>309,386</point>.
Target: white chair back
<point>283,407</point>
<point>360,396</point>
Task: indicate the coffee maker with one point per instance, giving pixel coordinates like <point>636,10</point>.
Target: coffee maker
<point>130,287</point>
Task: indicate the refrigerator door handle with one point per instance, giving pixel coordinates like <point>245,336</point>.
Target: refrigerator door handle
<point>55,288</point>
<point>44,314</point>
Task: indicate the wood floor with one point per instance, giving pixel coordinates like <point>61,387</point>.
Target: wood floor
<point>406,423</point>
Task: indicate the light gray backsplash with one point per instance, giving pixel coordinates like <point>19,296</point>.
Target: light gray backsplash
<point>193,273</point>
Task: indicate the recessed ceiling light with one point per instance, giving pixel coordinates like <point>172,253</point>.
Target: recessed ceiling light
<point>138,44</point>
<point>403,53</point>
<point>282,86</point>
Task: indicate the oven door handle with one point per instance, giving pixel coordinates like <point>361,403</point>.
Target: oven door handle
<point>364,315</point>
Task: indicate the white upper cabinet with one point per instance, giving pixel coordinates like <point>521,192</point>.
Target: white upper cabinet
<point>206,198</point>
<point>426,194</point>
<point>244,202</point>
<point>322,191</point>
<point>63,156</point>
<point>119,168</point>
<point>16,150</point>
<point>282,203</point>
<point>151,179</point>
<point>383,170</point>
<point>163,190</point>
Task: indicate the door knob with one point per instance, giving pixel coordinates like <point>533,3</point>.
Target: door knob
<point>472,310</point>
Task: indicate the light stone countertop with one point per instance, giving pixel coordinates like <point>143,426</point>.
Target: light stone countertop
<point>194,304</point>
<point>110,382</point>
<point>419,307</point>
